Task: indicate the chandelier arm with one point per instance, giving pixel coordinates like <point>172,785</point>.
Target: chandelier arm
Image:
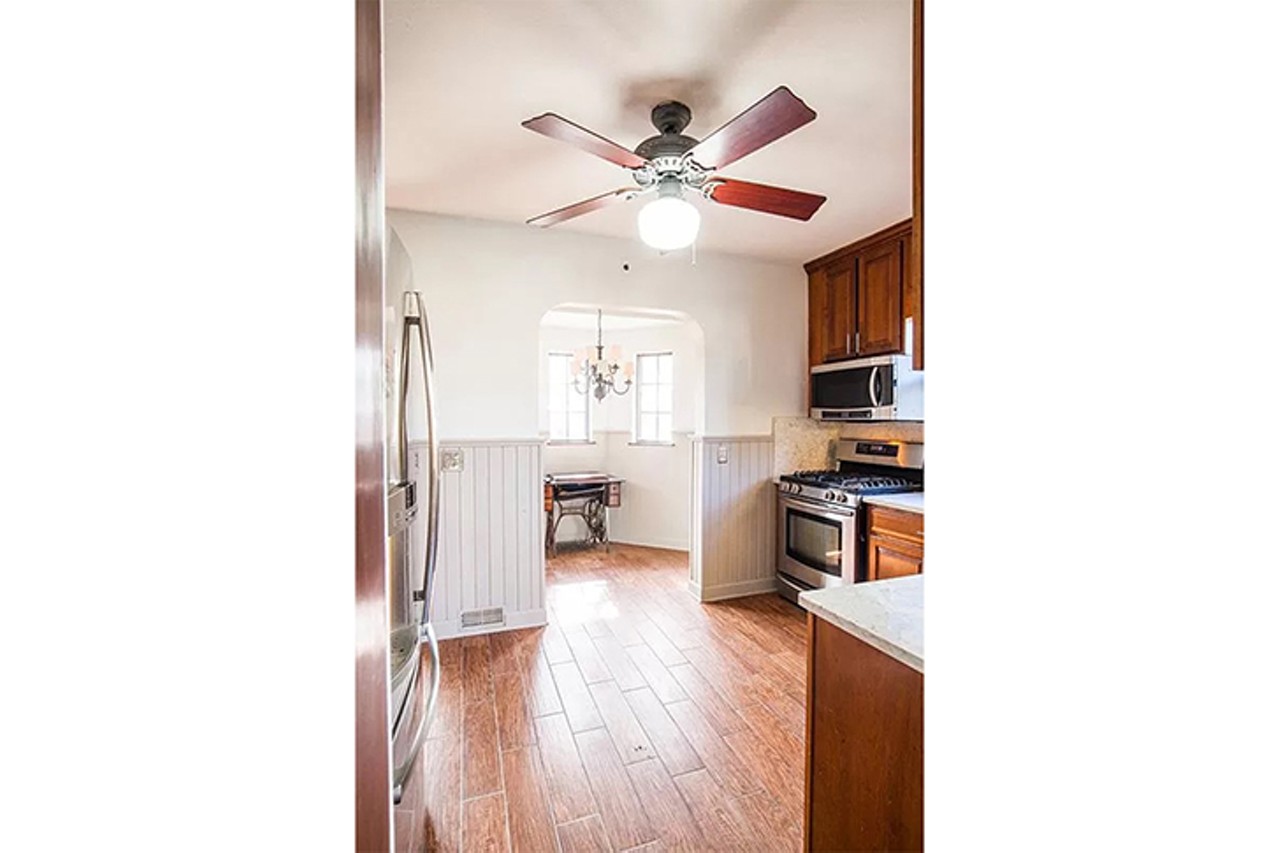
<point>599,377</point>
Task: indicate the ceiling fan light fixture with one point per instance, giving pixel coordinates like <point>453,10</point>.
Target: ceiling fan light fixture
<point>668,223</point>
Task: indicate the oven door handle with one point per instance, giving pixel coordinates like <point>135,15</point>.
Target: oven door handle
<point>836,515</point>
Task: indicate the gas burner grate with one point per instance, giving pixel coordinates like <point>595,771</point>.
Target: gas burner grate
<point>858,483</point>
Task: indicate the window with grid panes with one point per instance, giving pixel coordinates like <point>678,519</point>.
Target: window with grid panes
<point>654,398</point>
<point>570,414</point>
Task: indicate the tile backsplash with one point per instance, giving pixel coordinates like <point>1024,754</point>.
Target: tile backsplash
<point>886,430</point>
<point>804,443</point>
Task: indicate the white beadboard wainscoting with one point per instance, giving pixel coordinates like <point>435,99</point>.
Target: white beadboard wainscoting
<point>491,527</point>
<point>734,523</point>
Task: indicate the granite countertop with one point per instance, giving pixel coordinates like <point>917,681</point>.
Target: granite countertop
<point>887,614</point>
<point>909,501</point>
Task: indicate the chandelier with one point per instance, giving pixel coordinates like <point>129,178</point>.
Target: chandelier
<point>593,373</point>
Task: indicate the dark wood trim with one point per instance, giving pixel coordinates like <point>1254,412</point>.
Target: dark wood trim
<point>895,230</point>
<point>373,730</point>
<point>915,279</point>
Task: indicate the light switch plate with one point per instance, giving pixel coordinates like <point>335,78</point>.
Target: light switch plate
<point>451,459</point>
<point>722,454</point>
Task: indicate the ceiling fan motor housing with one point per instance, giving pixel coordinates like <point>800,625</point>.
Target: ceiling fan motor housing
<point>670,118</point>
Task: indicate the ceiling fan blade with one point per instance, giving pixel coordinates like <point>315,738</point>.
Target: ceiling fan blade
<point>556,127</point>
<point>764,198</point>
<point>772,117</point>
<point>604,200</point>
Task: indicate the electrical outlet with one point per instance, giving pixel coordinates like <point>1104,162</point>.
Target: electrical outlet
<point>722,454</point>
<point>451,459</point>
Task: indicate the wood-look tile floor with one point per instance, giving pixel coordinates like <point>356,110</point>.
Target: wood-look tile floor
<point>638,719</point>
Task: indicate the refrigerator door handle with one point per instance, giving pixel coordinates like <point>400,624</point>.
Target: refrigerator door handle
<point>415,314</point>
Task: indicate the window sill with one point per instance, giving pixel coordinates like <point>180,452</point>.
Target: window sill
<point>651,444</point>
<point>567,442</point>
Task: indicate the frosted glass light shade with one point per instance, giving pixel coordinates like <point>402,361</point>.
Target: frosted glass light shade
<point>669,223</point>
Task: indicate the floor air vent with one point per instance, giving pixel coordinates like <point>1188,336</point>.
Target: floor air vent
<point>488,616</point>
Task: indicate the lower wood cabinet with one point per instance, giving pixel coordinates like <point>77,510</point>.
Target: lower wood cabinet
<point>864,757</point>
<point>895,543</point>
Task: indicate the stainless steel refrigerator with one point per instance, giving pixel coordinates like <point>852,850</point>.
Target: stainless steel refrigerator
<point>414,651</point>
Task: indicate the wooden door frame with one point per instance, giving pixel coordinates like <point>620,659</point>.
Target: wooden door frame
<point>373,731</point>
<point>914,285</point>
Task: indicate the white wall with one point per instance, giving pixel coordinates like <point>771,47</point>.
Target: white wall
<point>658,495</point>
<point>488,284</point>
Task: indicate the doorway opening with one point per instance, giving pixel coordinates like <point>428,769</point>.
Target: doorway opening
<point>635,435</point>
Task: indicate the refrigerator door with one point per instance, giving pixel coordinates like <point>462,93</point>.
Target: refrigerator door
<point>413,715</point>
<point>413,583</point>
<point>401,511</point>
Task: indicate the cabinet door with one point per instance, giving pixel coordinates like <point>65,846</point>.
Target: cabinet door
<point>817,317</point>
<point>890,557</point>
<point>838,336</point>
<point>879,310</point>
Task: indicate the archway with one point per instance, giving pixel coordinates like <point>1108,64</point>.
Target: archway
<point>616,435</point>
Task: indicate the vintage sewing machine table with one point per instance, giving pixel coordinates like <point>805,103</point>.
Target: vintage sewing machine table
<point>588,495</point>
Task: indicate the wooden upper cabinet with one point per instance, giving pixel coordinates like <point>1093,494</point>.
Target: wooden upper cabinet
<point>879,320</point>
<point>857,298</point>
<point>838,335</point>
<point>817,316</point>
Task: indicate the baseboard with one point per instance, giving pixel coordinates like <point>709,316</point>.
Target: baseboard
<point>665,544</point>
<point>735,590</point>
<point>523,619</point>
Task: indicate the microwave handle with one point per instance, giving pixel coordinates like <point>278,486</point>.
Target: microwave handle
<point>873,385</point>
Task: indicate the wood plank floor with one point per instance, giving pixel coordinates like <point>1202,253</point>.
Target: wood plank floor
<point>638,719</point>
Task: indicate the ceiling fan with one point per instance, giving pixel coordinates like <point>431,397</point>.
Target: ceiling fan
<point>670,163</point>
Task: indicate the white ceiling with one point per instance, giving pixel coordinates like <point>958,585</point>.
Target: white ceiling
<point>461,76</point>
<point>584,318</point>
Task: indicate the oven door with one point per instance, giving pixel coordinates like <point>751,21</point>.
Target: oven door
<point>817,544</point>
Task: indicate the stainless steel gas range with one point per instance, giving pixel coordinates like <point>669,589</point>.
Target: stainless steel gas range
<point>819,522</point>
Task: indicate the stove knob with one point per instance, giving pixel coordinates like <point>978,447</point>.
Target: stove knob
<point>843,498</point>
<point>830,495</point>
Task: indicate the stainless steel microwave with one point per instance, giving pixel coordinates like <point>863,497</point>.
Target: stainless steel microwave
<point>883,388</point>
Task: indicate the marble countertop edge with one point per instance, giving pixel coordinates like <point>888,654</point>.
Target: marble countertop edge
<point>908,501</point>
<point>888,615</point>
